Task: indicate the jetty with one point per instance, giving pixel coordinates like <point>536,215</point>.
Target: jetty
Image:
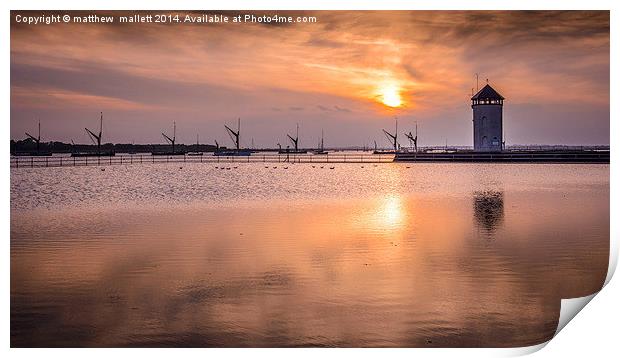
<point>264,157</point>
<point>540,156</point>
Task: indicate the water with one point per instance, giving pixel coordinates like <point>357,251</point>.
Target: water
<point>434,255</point>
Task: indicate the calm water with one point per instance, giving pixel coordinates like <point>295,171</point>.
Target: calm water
<point>385,255</point>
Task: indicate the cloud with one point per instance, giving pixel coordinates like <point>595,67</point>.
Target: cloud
<point>218,71</point>
<point>322,108</point>
<point>333,109</point>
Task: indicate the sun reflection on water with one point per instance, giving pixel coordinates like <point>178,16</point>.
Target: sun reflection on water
<point>390,213</point>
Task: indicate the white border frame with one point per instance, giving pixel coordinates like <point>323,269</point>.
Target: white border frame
<point>592,333</point>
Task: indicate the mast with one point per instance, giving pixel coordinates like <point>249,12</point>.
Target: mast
<point>94,137</point>
<point>234,136</point>
<point>174,136</point>
<point>295,140</point>
<point>393,137</point>
<point>37,140</point>
<point>413,141</point>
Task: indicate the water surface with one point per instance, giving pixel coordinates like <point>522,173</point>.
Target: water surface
<point>402,255</point>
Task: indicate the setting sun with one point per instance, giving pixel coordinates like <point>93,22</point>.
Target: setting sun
<point>390,96</point>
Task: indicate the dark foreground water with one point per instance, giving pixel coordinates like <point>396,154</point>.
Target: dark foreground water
<point>432,255</point>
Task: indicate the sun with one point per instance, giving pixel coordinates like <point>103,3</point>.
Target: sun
<point>390,95</point>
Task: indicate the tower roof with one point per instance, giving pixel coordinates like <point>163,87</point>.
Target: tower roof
<point>487,92</point>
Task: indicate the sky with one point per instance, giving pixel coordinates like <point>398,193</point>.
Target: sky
<point>350,73</point>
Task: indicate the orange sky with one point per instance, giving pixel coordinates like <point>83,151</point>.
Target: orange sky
<point>336,74</point>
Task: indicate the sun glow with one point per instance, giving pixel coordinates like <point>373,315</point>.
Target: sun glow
<point>390,95</point>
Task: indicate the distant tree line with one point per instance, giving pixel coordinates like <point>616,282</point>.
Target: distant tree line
<point>30,146</point>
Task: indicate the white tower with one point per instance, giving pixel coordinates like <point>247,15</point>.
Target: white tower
<point>487,106</point>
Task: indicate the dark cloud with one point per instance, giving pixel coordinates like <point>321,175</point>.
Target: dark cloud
<point>413,73</point>
<point>105,82</point>
<point>322,108</point>
<point>333,109</point>
<point>322,42</point>
<point>511,26</point>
